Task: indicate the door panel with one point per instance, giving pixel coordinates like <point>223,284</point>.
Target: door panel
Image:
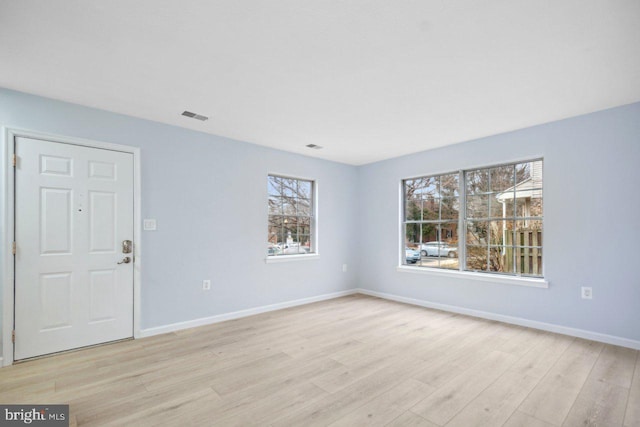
<point>55,221</point>
<point>102,221</point>
<point>74,207</point>
<point>55,290</point>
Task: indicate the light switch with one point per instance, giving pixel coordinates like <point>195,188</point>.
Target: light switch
<point>149,224</point>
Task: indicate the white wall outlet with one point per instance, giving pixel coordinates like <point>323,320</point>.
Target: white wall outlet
<point>206,285</point>
<point>149,224</point>
<point>587,293</point>
<point>344,268</point>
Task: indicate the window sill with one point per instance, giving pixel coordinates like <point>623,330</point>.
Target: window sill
<point>483,277</point>
<point>287,258</point>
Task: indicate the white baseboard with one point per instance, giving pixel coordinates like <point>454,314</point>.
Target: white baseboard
<point>238,314</point>
<point>580,333</point>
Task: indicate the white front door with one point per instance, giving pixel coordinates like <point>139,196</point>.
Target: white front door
<point>73,210</point>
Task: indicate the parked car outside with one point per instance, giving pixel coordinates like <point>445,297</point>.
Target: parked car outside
<point>273,249</point>
<point>438,249</point>
<point>293,248</point>
<point>411,255</point>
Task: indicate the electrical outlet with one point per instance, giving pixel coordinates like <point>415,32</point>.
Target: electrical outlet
<point>344,268</point>
<point>587,293</point>
<point>206,285</point>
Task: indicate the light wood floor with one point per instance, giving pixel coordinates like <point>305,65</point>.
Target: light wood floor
<point>350,361</point>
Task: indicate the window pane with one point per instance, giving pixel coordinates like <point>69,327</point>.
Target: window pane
<point>502,178</point>
<point>304,207</point>
<point>449,208</point>
<point>430,232</point>
<point>478,206</point>
<point>535,207</point>
<point>290,227</point>
<point>430,209</point>
<point>275,233</point>
<point>304,226</point>
<point>536,174</point>
<point>497,260</point>
<point>413,210</point>
<point>428,187</point>
<point>529,236</point>
<point>528,260</point>
<point>274,186</point>
<point>477,232</point>
<point>477,181</point>
<point>304,189</point>
<point>304,244</point>
<point>476,258</point>
<point>523,172</point>
<point>504,204</point>
<point>412,235</point>
<point>289,187</point>
<point>288,206</point>
<point>449,236</point>
<point>500,232</point>
<point>496,209</point>
<point>449,185</point>
<point>275,205</point>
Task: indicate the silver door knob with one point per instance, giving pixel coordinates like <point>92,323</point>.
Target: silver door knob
<point>126,260</point>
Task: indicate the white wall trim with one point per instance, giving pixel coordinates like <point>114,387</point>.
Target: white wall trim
<point>6,227</point>
<point>550,327</point>
<point>241,313</point>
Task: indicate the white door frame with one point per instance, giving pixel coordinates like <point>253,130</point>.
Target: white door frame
<point>7,206</point>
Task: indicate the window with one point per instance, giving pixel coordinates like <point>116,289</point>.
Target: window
<point>291,216</point>
<point>501,220</point>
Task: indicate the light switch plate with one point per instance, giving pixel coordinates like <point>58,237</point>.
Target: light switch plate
<point>149,224</point>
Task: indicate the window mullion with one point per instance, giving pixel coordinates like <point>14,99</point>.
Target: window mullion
<point>462,221</point>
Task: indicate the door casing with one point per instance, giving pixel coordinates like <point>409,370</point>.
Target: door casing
<point>7,207</point>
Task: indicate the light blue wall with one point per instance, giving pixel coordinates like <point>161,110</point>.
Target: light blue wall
<point>208,195</point>
<point>591,224</point>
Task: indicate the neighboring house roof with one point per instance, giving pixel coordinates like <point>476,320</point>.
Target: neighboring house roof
<point>524,189</point>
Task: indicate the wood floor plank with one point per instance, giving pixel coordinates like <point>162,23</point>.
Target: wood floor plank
<point>615,366</point>
<point>607,410</point>
<point>632,414</point>
<point>450,398</point>
<point>496,403</point>
<point>410,419</point>
<point>520,419</point>
<point>387,406</point>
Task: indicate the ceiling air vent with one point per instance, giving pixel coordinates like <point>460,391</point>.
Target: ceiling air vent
<point>314,146</point>
<point>195,116</point>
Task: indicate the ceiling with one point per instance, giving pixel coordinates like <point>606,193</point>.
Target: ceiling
<point>366,80</point>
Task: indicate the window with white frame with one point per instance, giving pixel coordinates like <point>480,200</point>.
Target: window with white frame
<point>291,216</point>
<point>500,220</point>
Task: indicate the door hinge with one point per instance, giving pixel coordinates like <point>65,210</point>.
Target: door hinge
<point>13,336</point>
<point>15,160</point>
<point>13,247</point>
